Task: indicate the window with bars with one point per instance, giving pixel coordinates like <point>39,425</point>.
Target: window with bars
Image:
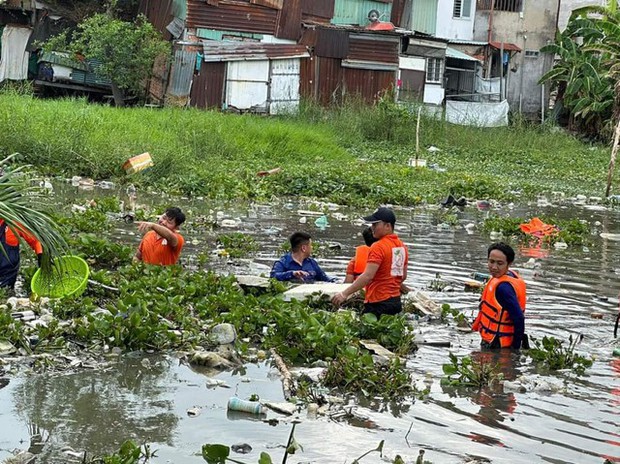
<point>461,9</point>
<point>433,70</point>
<point>516,6</point>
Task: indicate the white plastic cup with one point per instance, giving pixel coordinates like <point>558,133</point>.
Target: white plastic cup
<point>237,404</point>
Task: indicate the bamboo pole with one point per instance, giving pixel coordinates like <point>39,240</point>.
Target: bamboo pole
<point>612,161</point>
<point>417,136</point>
<point>288,386</point>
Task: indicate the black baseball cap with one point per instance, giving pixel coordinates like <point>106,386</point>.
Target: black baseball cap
<point>381,214</point>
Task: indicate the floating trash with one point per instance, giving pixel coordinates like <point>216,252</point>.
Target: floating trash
<point>138,163</point>
<point>251,407</point>
<point>321,222</point>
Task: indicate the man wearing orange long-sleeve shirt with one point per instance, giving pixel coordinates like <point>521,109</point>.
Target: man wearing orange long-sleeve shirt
<point>9,260</point>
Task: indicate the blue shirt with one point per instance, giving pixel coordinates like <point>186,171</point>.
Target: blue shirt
<point>283,270</point>
<point>507,298</point>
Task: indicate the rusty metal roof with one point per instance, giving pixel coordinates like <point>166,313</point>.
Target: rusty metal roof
<point>351,28</point>
<point>237,51</point>
<point>231,16</point>
<point>507,46</point>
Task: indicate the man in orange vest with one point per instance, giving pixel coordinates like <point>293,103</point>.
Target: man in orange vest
<point>386,268</point>
<point>10,259</point>
<point>501,319</point>
<point>357,265</point>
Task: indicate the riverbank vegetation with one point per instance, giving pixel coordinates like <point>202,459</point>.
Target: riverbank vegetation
<point>350,155</point>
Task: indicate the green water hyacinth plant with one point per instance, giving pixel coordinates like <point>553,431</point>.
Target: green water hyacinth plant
<point>470,373</point>
<point>552,353</point>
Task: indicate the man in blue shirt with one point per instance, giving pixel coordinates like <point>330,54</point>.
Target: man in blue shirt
<point>298,265</point>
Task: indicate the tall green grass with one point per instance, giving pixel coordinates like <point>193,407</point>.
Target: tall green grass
<point>352,154</point>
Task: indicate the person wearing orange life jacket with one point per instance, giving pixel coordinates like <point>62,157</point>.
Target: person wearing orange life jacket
<point>501,318</point>
<point>357,265</point>
<point>10,258</point>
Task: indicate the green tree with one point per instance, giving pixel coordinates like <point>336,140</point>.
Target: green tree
<point>600,28</point>
<point>589,68</point>
<point>126,50</point>
<point>585,87</point>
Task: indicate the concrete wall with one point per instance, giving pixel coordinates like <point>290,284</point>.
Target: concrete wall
<point>567,6</point>
<point>530,29</point>
<point>454,28</point>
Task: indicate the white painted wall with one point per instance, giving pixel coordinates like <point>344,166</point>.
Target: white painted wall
<point>433,94</point>
<point>284,89</point>
<point>246,84</point>
<point>449,27</point>
<point>414,63</point>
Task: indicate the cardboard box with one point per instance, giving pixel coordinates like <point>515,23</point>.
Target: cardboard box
<point>138,163</point>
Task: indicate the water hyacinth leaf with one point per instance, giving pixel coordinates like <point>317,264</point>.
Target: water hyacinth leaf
<point>369,318</point>
<point>293,447</point>
<point>351,350</point>
<point>264,458</point>
<point>449,369</point>
<point>215,454</point>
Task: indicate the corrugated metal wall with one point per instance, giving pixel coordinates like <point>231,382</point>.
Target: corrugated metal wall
<point>289,20</point>
<point>398,11</point>
<point>424,16</point>
<point>332,43</point>
<point>367,84</point>
<point>159,13</point>
<point>208,86</point>
<point>231,17</point>
<point>372,47</point>
<point>182,72</point>
<point>318,8</point>
<point>306,78</point>
<point>356,11</point>
<point>330,81</point>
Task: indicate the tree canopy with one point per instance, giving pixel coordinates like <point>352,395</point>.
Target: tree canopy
<point>126,50</point>
<point>586,72</point>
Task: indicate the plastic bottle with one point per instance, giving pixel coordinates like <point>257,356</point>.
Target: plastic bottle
<point>237,404</point>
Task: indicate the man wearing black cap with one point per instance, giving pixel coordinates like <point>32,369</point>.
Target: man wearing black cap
<point>386,268</point>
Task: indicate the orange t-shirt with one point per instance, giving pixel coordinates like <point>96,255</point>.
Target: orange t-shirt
<point>391,254</point>
<point>155,249</point>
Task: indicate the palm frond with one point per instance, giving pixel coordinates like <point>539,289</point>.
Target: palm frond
<point>21,209</point>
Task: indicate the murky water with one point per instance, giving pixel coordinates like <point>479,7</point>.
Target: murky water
<point>146,398</point>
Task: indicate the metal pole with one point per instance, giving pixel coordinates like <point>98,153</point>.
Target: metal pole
<point>501,72</point>
<point>542,103</point>
<point>490,34</point>
<point>522,74</point>
<point>489,37</point>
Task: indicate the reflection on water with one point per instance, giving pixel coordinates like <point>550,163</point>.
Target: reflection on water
<point>148,400</point>
<point>89,410</point>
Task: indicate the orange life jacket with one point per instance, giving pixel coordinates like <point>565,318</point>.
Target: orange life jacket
<point>361,258</point>
<point>493,320</point>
